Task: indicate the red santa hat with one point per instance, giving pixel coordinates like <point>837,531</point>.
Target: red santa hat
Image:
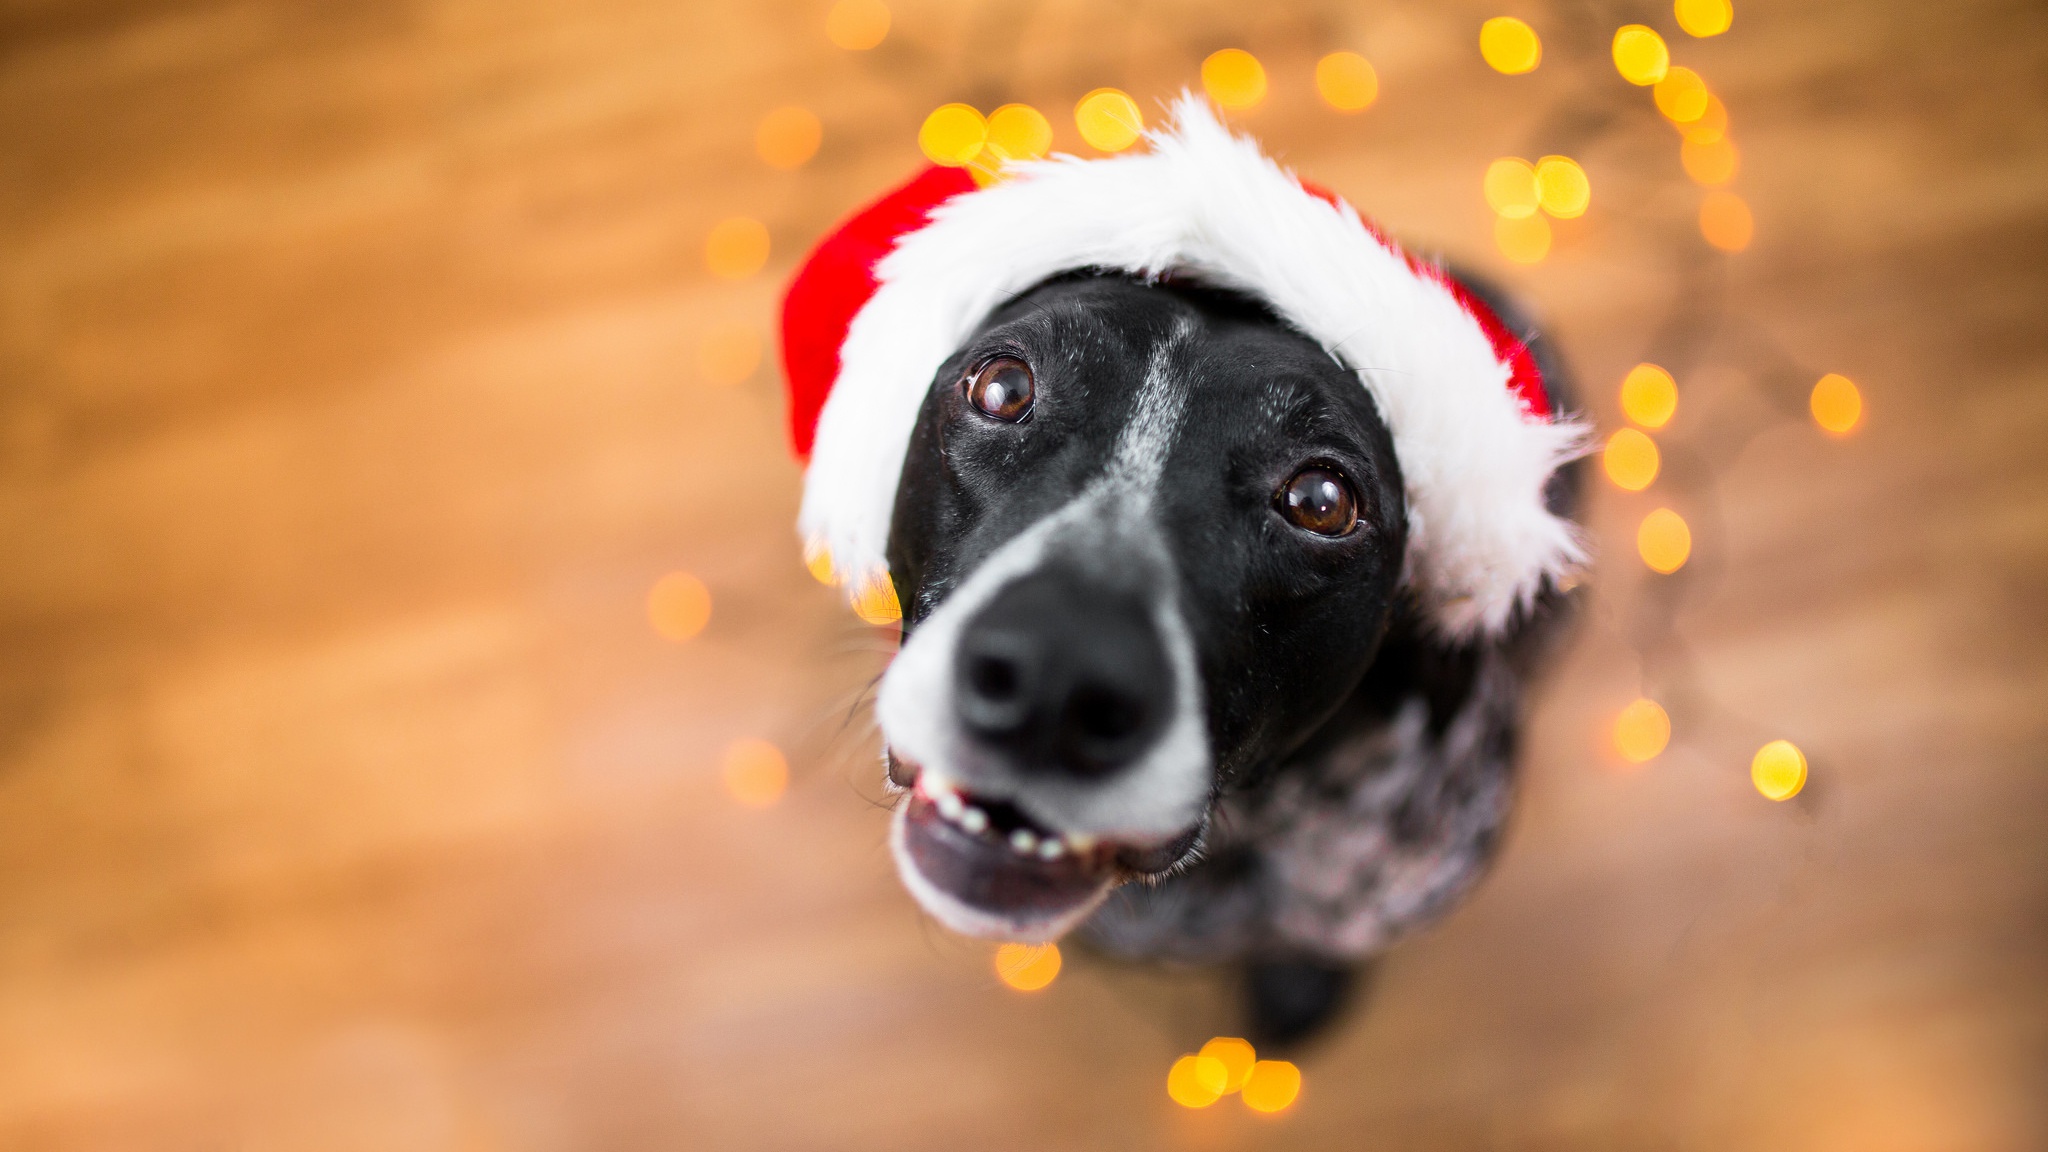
<point>884,300</point>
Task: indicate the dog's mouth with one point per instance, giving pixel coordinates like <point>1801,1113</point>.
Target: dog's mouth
<point>984,867</point>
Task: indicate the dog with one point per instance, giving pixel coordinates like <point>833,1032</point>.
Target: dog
<point>1171,674</point>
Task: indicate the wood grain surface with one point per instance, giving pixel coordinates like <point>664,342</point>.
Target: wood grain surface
<point>350,403</point>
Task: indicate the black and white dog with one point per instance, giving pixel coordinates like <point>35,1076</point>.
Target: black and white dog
<point>1175,671</point>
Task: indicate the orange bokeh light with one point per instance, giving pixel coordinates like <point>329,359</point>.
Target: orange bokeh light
<point>857,25</point>
<point>876,602</point>
<point>1562,187</point>
<point>1710,163</point>
<point>736,248</point>
<point>1778,770</point>
<point>1704,17</point>
<point>1347,81</point>
<point>1641,731</point>
<point>1272,1085</point>
<point>1640,54</point>
<point>1524,241</point>
<point>788,137</point>
<point>1234,78</point>
<point>1510,187</point>
<point>678,606</point>
<point>756,774</point>
<point>1109,119</point>
<point>1027,967</point>
<point>1237,1057</point>
<point>1631,460</point>
<point>1196,1081</point>
<point>1725,221</point>
<point>1510,46</point>
<point>1837,404</point>
<point>1664,541</point>
<point>952,135</point>
<point>1682,96</point>
<point>1649,396</point>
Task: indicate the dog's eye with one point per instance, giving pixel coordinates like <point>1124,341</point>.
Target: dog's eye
<point>1318,500</point>
<point>1001,388</point>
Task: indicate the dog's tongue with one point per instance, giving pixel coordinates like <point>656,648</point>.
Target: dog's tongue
<point>979,884</point>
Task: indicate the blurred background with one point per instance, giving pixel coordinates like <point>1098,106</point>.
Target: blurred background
<point>419,730</point>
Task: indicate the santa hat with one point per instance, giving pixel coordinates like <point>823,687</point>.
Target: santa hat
<point>888,297</point>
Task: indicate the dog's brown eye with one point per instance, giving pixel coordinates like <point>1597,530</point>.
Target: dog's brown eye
<point>1001,388</point>
<point>1319,501</point>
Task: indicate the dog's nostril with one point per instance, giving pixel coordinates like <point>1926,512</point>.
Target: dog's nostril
<point>993,678</point>
<point>1104,714</point>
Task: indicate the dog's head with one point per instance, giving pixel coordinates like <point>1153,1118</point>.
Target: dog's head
<point>1147,538</point>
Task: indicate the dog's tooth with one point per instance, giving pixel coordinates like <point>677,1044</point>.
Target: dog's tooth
<point>950,805</point>
<point>1023,841</point>
<point>974,820</point>
<point>1051,848</point>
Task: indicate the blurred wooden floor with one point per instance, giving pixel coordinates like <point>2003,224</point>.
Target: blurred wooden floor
<point>349,406</point>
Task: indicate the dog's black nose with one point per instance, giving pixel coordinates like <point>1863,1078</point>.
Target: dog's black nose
<point>1061,676</point>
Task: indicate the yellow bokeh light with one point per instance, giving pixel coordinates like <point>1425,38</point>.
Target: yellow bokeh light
<point>1704,17</point>
<point>818,562</point>
<point>1272,1085</point>
<point>1710,163</point>
<point>756,774</point>
<point>1347,82</point>
<point>876,602</point>
<point>1641,731</point>
<point>1837,404</point>
<point>729,354</point>
<point>1562,187</point>
<point>678,606</point>
<point>1525,240</point>
<point>1712,124</point>
<point>1109,119</point>
<point>857,25</point>
<point>1640,55</point>
<point>1027,967</point>
<point>1237,1058</point>
<point>788,137</point>
<point>1019,132</point>
<point>1196,1081</point>
<point>1631,460</point>
<point>1510,46</point>
<point>952,135</point>
<point>1510,187</point>
<point>1778,770</point>
<point>1725,221</point>
<point>1234,78</point>
<point>1664,541</point>
<point>1649,396</point>
<point>1682,96</point>
<point>736,248</point>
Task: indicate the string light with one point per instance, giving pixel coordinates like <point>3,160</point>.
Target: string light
<point>1234,78</point>
<point>1642,731</point>
<point>1640,54</point>
<point>857,25</point>
<point>1525,240</point>
<point>876,603</point>
<point>729,354</point>
<point>736,248</point>
<point>788,137</point>
<point>1562,187</point>
<point>1510,187</point>
<point>1664,541</point>
<point>1109,120</point>
<point>756,774</point>
<point>1649,396</point>
<point>1510,46</point>
<point>1272,1085</point>
<point>1725,221</point>
<point>1681,95</point>
<point>1704,18</point>
<point>1836,404</point>
<point>1710,163</point>
<point>1196,1081</point>
<point>952,135</point>
<point>1347,82</point>
<point>1778,770</point>
<point>678,606</point>
<point>1027,967</point>
<point>1631,460</point>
